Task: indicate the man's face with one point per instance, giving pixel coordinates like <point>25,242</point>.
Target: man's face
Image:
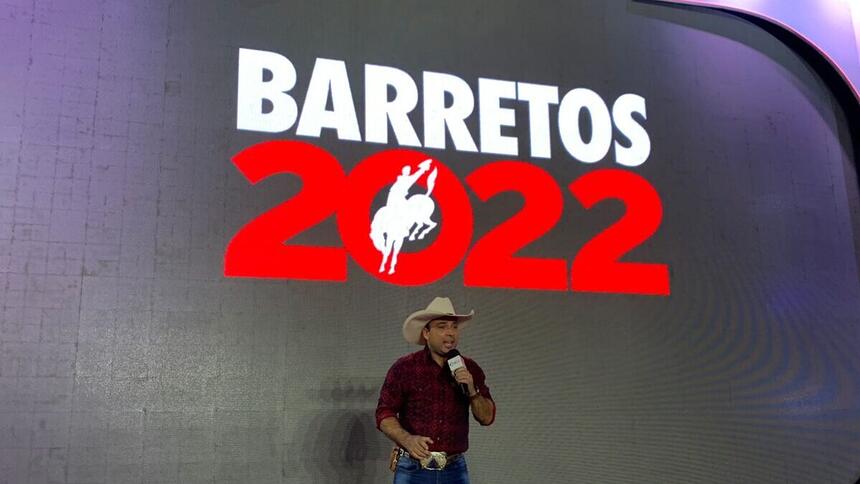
<point>441,335</point>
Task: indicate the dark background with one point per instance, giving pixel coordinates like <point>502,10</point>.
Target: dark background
<point>127,356</point>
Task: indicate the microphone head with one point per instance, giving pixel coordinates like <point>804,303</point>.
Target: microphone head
<point>455,361</point>
<point>452,353</point>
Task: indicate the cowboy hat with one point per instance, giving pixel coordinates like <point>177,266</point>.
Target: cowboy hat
<point>439,308</point>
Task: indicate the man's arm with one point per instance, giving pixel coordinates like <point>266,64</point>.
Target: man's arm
<point>423,167</point>
<point>482,404</point>
<point>393,430</point>
<point>411,179</point>
<point>418,446</point>
<point>389,406</point>
<point>483,409</point>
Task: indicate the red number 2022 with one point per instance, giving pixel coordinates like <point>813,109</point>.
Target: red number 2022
<point>259,249</point>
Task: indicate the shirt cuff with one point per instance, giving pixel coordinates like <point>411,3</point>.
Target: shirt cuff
<point>385,413</point>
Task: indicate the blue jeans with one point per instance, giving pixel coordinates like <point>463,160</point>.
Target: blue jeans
<point>409,471</point>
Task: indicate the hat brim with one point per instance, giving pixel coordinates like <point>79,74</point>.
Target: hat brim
<point>416,321</point>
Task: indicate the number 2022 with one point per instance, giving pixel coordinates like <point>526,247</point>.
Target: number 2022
<point>258,249</point>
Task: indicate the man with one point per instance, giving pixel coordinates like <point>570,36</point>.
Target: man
<point>424,409</point>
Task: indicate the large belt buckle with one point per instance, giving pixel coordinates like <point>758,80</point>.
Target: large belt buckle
<point>439,458</point>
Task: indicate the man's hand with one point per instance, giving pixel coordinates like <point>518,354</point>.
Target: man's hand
<point>418,446</point>
<point>462,375</point>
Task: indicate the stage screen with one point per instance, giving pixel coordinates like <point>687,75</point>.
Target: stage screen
<point>652,210</point>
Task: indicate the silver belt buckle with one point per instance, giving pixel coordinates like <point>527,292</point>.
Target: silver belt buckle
<point>439,458</point>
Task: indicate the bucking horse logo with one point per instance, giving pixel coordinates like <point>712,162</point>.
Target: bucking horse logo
<point>403,215</point>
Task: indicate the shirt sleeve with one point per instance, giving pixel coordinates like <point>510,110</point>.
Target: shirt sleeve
<point>481,384</point>
<point>390,395</point>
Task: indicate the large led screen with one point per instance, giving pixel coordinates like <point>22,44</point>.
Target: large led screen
<point>215,217</point>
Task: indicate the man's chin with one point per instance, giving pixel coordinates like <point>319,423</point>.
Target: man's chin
<point>443,351</point>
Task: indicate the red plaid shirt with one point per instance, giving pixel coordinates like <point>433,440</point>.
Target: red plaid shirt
<point>427,401</point>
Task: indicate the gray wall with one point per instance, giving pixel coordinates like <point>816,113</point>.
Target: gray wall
<point>126,355</point>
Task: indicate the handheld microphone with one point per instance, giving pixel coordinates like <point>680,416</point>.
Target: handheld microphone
<point>455,362</point>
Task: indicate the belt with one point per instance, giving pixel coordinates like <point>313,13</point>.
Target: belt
<point>437,461</point>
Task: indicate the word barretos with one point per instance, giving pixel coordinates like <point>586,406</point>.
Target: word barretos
<point>390,95</point>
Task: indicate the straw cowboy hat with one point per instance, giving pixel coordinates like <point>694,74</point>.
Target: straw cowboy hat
<point>440,308</point>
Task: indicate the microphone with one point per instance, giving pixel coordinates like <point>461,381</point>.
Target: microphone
<point>455,362</point>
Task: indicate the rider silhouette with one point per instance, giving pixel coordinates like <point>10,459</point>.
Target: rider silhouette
<point>399,191</point>
<point>403,216</point>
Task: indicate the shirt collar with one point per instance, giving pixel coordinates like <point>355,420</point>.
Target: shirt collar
<point>428,358</point>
